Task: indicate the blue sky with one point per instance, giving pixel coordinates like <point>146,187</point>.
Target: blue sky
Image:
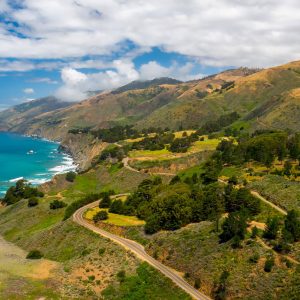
<point>66,50</point>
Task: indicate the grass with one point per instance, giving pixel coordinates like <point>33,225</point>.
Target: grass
<point>16,272</point>
<point>164,154</point>
<point>114,219</point>
<point>207,144</point>
<point>179,134</point>
<point>279,190</point>
<point>231,171</point>
<point>74,247</point>
<point>157,154</point>
<point>146,284</point>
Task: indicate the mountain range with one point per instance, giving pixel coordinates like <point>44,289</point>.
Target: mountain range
<point>268,98</point>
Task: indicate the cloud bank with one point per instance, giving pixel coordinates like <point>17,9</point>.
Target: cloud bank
<point>219,33</point>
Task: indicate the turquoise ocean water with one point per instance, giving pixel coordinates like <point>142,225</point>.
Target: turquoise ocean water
<point>35,160</point>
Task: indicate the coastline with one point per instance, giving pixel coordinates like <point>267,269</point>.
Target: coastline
<point>65,163</point>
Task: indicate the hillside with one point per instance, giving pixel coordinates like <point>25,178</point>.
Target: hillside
<point>140,103</point>
<point>21,116</point>
<point>263,98</point>
<point>266,98</point>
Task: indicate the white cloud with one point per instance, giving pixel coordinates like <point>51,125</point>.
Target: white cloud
<point>3,5</point>
<point>76,84</point>
<point>28,91</point>
<point>215,32</point>
<point>43,80</point>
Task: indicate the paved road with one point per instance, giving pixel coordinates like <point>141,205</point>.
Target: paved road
<point>139,251</point>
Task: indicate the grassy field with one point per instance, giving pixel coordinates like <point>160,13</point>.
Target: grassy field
<point>115,219</point>
<point>164,154</point>
<point>171,165</point>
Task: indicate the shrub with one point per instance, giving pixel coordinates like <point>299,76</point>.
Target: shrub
<point>101,251</point>
<point>33,201</point>
<point>56,204</point>
<point>100,216</point>
<point>269,264</point>
<point>197,283</point>
<point>70,176</point>
<point>121,276</point>
<point>34,254</point>
<point>254,258</point>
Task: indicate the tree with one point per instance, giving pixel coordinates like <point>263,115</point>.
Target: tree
<point>235,225</point>
<point>116,207</point>
<point>272,227</point>
<point>105,202</point>
<point>152,224</point>
<point>292,226</point>
<point>70,176</point>
<point>100,216</point>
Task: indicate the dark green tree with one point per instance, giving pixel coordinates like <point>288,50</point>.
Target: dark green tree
<point>235,225</point>
<point>292,226</point>
<point>272,228</point>
<point>105,202</point>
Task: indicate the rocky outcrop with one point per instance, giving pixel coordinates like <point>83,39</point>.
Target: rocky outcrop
<point>83,148</point>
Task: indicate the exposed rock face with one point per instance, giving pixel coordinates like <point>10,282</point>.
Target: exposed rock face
<point>83,148</point>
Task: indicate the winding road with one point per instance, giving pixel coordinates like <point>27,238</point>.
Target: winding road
<point>138,250</point>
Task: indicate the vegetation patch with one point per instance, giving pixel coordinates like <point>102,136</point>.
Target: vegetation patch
<point>115,219</point>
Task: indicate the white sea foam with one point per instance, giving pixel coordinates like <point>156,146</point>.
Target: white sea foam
<point>67,165</point>
<point>38,181</point>
<point>16,179</point>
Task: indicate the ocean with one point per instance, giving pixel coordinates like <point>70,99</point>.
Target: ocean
<point>33,159</point>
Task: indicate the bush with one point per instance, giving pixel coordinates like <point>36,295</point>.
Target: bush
<point>33,201</point>
<point>197,283</point>
<point>100,216</point>
<point>269,264</point>
<point>254,258</point>
<point>56,204</point>
<point>121,276</point>
<point>34,254</point>
<point>70,176</point>
<point>101,251</point>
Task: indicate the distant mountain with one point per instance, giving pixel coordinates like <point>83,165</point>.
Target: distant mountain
<point>267,98</point>
<point>137,85</point>
<point>20,116</point>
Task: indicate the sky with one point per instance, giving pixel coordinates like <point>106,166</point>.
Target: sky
<point>66,48</point>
